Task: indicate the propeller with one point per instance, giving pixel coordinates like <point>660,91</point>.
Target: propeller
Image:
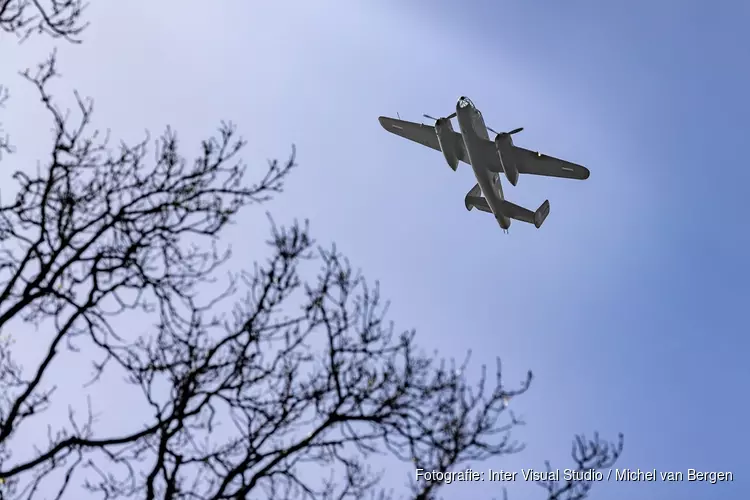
<point>514,131</point>
<point>450,116</point>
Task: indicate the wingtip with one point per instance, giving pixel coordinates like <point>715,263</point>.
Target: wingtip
<point>382,120</point>
<point>586,173</point>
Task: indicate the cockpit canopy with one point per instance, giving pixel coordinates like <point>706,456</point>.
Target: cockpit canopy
<point>464,102</point>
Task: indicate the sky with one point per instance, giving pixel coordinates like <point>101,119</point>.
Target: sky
<point>629,304</point>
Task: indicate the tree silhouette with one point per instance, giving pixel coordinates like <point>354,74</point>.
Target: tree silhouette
<point>60,19</point>
<point>55,18</point>
<point>4,141</point>
<point>248,385</point>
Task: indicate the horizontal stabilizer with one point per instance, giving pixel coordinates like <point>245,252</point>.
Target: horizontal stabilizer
<point>475,192</point>
<point>513,211</point>
<point>477,202</point>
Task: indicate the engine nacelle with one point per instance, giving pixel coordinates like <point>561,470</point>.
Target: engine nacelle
<point>447,140</point>
<point>504,145</point>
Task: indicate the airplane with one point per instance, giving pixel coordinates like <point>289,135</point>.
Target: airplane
<point>488,159</point>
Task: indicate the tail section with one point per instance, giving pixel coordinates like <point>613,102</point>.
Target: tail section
<point>541,214</point>
<point>513,211</point>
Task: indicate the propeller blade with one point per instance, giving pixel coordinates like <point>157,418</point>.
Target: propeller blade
<point>515,131</point>
<point>449,117</point>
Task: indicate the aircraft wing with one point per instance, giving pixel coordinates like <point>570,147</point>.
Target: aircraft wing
<point>532,162</point>
<point>528,162</point>
<point>422,134</point>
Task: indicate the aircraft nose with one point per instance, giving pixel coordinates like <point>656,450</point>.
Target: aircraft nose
<point>459,103</point>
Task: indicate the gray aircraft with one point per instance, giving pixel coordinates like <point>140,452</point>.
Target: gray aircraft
<point>488,159</point>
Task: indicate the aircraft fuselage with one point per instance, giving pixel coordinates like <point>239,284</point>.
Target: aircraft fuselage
<point>473,130</point>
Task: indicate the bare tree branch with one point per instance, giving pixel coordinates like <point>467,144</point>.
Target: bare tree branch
<point>588,456</point>
<point>55,18</point>
<point>5,146</point>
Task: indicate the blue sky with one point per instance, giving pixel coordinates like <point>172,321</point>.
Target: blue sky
<point>629,304</point>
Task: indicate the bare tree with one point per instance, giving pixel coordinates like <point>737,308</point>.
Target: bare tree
<point>274,386</point>
<point>56,18</point>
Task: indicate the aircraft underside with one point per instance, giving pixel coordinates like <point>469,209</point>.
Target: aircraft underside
<point>488,158</point>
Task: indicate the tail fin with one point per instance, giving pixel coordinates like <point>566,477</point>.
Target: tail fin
<point>513,211</point>
<point>541,214</point>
